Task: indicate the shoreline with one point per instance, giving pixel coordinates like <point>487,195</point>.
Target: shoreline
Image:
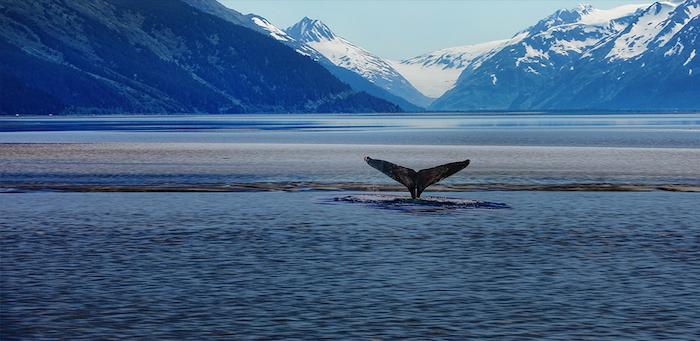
<point>346,186</point>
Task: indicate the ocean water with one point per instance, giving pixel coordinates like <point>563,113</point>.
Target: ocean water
<point>86,253</point>
<point>292,266</point>
<point>505,149</point>
<point>494,129</point>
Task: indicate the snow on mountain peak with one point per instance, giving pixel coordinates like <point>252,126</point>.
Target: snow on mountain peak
<point>681,16</point>
<point>633,56</point>
<point>319,37</point>
<point>455,57</point>
<point>341,52</point>
<point>269,27</point>
<point>560,17</point>
<point>585,14</point>
<point>602,17</point>
<point>436,72</point>
<point>584,8</point>
<point>645,31</point>
<point>567,32</point>
<point>308,30</point>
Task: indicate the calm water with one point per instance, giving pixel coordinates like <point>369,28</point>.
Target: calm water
<point>619,130</point>
<point>560,266</point>
<point>510,149</point>
<point>273,265</point>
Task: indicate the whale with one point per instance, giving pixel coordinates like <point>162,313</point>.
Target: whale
<point>416,182</point>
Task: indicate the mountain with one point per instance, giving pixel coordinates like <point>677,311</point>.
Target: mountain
<point>436,72</point>
<point>318,36</point>
<point>132,56</point>
<point>650,64</point>
<point>627,58</point>
<point>251,21</point>
<point>264,26</point>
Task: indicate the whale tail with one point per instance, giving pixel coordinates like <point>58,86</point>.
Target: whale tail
<point>416,182</point>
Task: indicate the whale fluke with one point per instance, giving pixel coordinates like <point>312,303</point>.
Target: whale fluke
<point>416,182</point>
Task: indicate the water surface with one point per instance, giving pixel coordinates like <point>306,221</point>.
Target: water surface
<point>504,149</point>
<point>558,266</point>
<point>306,264</point>
<point>501,129</point>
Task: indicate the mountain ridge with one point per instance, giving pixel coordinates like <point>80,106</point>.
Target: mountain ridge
<point>258,23</point>
<point>136,56</point>
<point>342,53</point>
<point>585,59</point>
<point>128,56</point>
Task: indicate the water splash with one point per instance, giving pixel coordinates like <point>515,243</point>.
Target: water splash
<point>425,204</point>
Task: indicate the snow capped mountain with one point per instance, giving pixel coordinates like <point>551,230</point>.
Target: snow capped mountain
<point>341,52</point>
<point>650,64</point>
<point>654,27</point>
<point>436,72</point>
<point>318,36</point>
<point>265,27</point>
<point>105,56</point>
<point>634,40</point>
<point>455,57</point>
<point>568,31</point>
<point>269,28</point>
<point>251,21</point>
<point>602,17</point>
<point>563,37</point>
<point>628,57</point>
<point>310,30</point>
<point>585,58</point>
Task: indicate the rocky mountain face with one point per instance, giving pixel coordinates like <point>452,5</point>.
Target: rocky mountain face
<point>131,56</point>
<point>627,58</point>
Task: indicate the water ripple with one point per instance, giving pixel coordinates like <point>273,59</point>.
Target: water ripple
<point>269,265</point>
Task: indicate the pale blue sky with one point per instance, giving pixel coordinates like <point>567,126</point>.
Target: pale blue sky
<point>398,29</point>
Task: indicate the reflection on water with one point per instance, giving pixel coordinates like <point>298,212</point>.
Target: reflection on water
<point>284,266</point>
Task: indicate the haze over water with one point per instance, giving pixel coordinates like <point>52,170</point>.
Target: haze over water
<point>302,265</point>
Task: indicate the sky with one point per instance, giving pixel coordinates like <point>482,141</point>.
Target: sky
<point>399,29</point>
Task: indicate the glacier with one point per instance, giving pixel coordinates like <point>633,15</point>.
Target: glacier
<point>436,72</point>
